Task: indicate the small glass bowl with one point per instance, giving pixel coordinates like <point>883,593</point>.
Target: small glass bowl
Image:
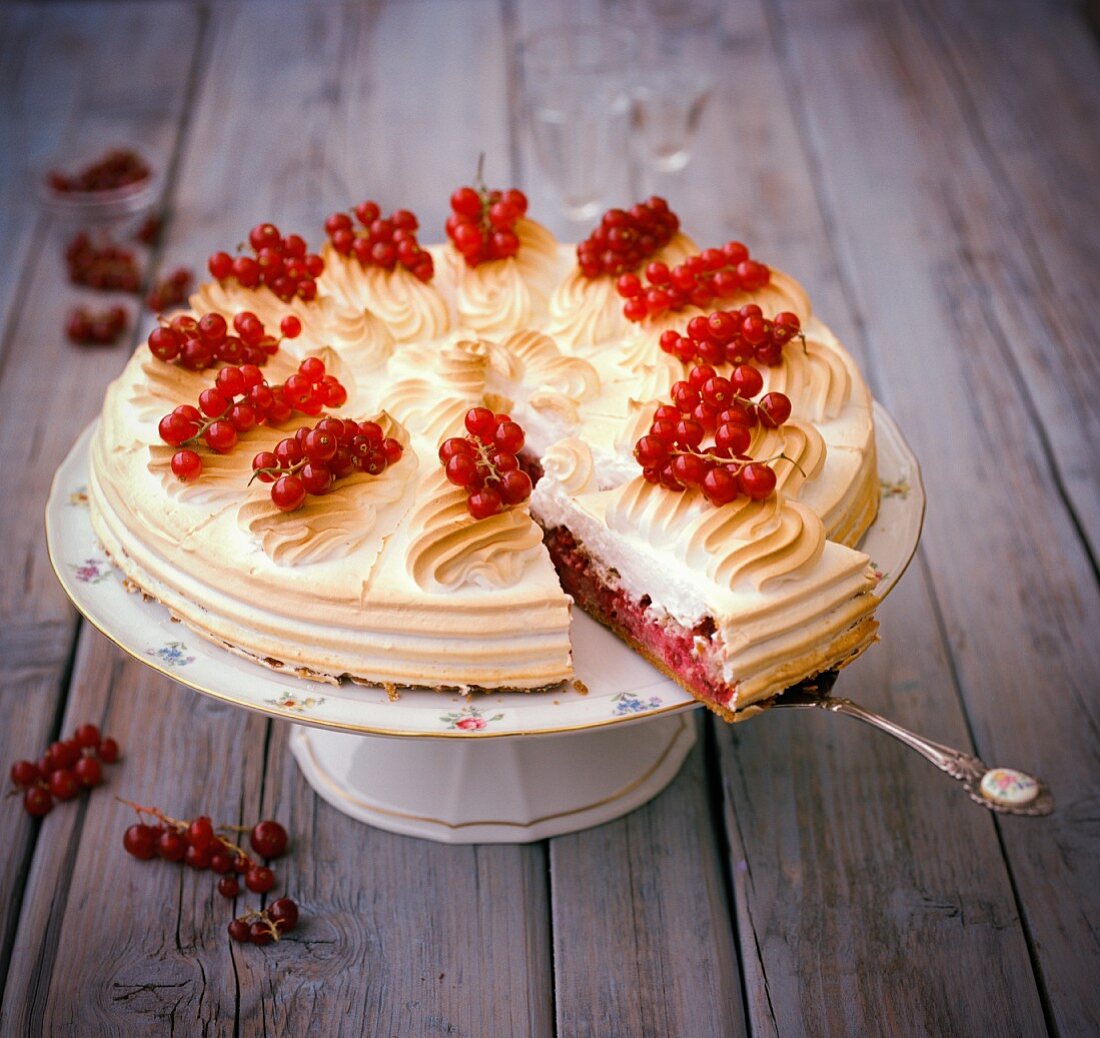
<point>97,207</point>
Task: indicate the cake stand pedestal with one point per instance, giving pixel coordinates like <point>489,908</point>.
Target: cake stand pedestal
<point>524,788</point>
<point>497,768</point>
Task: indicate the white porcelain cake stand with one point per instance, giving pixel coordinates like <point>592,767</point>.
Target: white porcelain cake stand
<point>503,768</point>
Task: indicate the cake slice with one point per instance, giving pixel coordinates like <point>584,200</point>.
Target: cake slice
<point>735,603</point>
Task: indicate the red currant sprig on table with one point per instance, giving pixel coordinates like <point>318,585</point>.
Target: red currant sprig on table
<point>170,291</point>
<point>698,281</point>
<point>283,264</point>
<point>311,461</point>
<point>267,925</point>
<point>96,327</point>
<point>239,400</point>
<point>101,264</point>
<point>734,337</point>
<point>626,238</point>
<point>482,224</point>
<point>485,463</point>
<point>706,405</point>
<point>379,242</point>
<point>198,343</point>
<point>201,845</point>
<point>67,767</point>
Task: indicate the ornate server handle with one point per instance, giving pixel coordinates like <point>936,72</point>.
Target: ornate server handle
<point>1000,789</point>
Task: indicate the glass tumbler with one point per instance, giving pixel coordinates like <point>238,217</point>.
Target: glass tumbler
<point>577,93</point>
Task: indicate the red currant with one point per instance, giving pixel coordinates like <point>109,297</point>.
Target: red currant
<point>288,493</point>
<point>171,846</point>
<point>229,886</point>
<point>141,841</point>
<point>89,771</point>
<point>37,801</point>
<point>268,839</point>
<point>240,929</point>
<point>259,879</point>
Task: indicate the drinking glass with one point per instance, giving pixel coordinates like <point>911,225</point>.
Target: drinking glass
<point>680,55</point>
<point>577,87</point>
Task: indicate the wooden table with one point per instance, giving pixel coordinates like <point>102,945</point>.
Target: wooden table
<point>928,169</point>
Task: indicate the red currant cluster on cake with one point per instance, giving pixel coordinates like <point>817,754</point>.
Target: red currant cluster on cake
<point>101,264</point>
<point>708,405</point>
<point>482,224</point>
<point>698,281</point>
<point>67,767</point>
<point>200,845</point>
<point>313,459</point>
<point>379,242</point>
<point>239,400</point>
<point>104,327</point>
<point>283,264</point>
<point>267,925</point>
<point>485,464</point>
<point>626,238</point>
<point>198,343</point>
<point>733,337</point>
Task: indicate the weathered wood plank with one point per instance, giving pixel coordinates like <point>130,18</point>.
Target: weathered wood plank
<point>642,935</point>
<point>48,388</point>
<point>1025,94</point>
<point>1011,581</point>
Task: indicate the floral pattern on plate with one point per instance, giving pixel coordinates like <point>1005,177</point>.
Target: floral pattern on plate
<point>296,702</point>
<point>78,498</point>
<point>898,488</point>
<point>91,571</point>
<point>173,654</point>
<point>629,703</point>
<point>468,719</point>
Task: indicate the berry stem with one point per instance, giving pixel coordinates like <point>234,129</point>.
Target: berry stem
<point>181,826</point>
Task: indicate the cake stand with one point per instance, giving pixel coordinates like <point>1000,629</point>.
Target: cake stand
<point>500,768</point>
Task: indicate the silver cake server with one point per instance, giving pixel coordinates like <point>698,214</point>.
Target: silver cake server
<point>1004,790</point>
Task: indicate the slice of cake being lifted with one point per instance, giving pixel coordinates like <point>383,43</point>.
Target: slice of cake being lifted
<point>735,603</point>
